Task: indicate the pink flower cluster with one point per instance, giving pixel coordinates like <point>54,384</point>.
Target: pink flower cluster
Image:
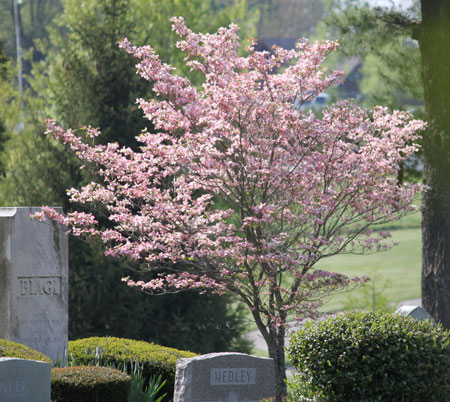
<point>245,188</point>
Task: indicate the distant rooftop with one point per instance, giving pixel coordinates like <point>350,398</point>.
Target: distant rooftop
<point>267,43</point>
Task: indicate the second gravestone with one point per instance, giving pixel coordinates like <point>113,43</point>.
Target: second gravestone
<point>33,282</point>
<point>224,377</point>
<point>416,312</point>
<point>24,380</point>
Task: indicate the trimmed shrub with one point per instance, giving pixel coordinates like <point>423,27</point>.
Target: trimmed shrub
<point>96,384</point>
<point>371,357</point>
<point>13,349</point>
<point>155,360</point>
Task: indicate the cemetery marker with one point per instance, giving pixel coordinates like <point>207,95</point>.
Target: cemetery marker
<point>33,282</point>
<point>224,377</point>
<point>24,380</point>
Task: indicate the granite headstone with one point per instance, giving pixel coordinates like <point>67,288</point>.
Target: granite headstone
<point>33,282</point>
<point>417,312</point>
<point>224,377</point>
<point>24,380</point>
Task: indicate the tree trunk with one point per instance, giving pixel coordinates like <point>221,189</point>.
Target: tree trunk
<point>275,339</point>
<point>434,40</point>
<point>276,352</point>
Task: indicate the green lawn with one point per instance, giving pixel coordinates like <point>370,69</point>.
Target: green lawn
<point>396,272</point>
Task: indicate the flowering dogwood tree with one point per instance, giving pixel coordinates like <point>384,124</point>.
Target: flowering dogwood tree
<point>240,184</point>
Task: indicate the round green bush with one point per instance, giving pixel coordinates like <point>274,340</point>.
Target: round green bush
<point>372,357</point>
<point>13,349</point>
<point>155,360</point>
<point>89,384</point>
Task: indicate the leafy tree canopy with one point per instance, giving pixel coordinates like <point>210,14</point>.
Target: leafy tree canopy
<point>382,38</point>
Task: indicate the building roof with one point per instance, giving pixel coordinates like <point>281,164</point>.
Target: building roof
<point>267,43</point>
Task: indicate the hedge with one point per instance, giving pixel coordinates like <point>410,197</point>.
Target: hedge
<point>119,352</point>
<point>96,384</point>
<point>13,349</point>
<point>371,357</point>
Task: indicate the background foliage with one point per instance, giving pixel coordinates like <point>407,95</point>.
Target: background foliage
<point>79,76</point>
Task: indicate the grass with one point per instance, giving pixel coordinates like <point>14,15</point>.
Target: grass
<point>397,272</point>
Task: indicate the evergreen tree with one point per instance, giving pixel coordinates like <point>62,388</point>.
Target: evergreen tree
<point>382,39</point>
<point>86,79</point>
<point>34,17</point>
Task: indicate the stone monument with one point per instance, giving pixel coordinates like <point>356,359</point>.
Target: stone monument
<point>224,377</point>
<point>417,312</point>
<point>33,282</point>
<point>24,380</point>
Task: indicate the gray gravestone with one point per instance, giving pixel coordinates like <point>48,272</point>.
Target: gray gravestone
<point>33,282</point>
<point>224,377</point>
<point>24,380</point>
<point>417,312</point>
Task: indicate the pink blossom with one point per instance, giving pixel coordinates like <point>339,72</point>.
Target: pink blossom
<point>240,185</point>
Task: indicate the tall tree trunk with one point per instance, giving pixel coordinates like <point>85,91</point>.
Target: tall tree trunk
<point>434,40</point>
<point>276,352</point>
<point>275,340</point>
